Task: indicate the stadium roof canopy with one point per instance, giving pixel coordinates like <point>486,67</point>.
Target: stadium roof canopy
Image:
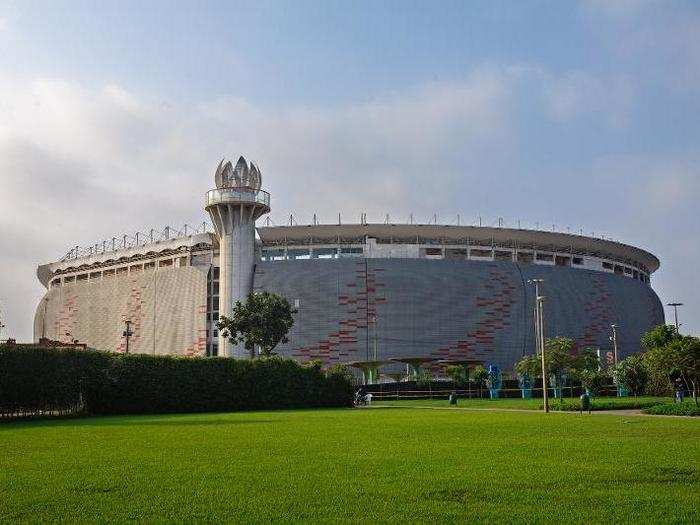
<point>448,234</point>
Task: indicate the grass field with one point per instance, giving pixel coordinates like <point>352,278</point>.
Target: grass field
<point>599,403</point>
<point>358,465</point>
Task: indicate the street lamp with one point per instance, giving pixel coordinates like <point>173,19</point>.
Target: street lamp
<point>539,337</point>
<point>127,334</point>
<point>675,312</point>
<point>614,341</point>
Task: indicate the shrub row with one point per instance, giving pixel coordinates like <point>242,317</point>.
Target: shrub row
<point>39,380</point>
<point>687,408</point>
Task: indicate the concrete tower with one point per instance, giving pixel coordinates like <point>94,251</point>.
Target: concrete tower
<point>234,206</point>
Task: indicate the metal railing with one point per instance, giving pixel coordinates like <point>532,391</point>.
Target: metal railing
<point>136,240</point>
<point>237,195</point>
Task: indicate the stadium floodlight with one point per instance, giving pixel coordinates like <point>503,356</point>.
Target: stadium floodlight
<point>675,313</point>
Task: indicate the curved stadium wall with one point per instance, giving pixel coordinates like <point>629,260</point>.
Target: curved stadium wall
<point>404,290</point>
<point>450,309</point>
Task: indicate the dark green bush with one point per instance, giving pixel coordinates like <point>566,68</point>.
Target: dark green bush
<point>687,408</point>
<point>37,380</point>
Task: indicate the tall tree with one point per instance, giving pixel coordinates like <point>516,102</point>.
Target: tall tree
<point>263,321</point>
<point>632,374</point>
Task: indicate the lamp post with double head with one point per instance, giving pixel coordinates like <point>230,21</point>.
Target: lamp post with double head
<point>675,313</point>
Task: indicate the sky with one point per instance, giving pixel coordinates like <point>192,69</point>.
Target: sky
<point>559,115</point>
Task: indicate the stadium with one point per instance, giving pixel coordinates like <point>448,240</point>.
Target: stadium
<point>363,292</point>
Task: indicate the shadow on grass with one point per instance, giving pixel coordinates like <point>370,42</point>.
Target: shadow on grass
<point>161,420</point>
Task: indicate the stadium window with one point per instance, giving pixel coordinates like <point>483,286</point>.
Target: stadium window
<point>560,260</point>
<point>578,261</point>
<point>455,253</point>
<point>136,268</point>
<point>165,262</point>
<point>122,270</point>
<point>525,257</point>
<point>69,279</point>
<point>82,277</point>
<point>545,257</point>
<point>95,275</point>
<point>607,266</point>
<point>619,270</point>
<point>480,253</point>
<point>108,273</point>
<point>501,255</point>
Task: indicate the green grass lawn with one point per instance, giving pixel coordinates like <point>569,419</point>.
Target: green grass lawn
<point>599,403</point>
<point>353,465</point>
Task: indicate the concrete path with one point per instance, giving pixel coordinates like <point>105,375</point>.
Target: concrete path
<point>635,412</point>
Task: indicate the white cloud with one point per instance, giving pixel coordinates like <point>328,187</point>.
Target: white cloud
<point>657,39</point>
<point>576,94</point>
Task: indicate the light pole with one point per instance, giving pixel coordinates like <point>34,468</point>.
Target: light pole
<point>374,322</point>
<point>127,334</point>
<point>675,312</point>
<point>614,342</point>
<point>539,337</point>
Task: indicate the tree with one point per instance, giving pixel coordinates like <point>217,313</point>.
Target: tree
<point>529,365</point>
<point>559,359</point>
<point>631,373</point>
<point>659,336</point>
<point>264,320</point>
<point>586,360</point>
<point>685,359</point>
<point>670,356</point>
<point>593,380</point>
<point>458,373</point>
<point>480,376</point>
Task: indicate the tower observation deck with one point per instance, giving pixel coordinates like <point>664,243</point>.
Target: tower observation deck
<point>234,206</point>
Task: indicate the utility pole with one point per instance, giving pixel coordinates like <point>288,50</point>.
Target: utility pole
<point>127,334</point>
<point>675,312</point>
<point>539,337</point>
<point>614,342</point>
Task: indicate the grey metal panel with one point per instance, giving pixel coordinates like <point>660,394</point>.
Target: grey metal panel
<point>450,309</point>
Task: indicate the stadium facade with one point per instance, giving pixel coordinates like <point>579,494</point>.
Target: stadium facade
<point>362,291</point>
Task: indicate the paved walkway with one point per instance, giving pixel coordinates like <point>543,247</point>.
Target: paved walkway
<point>618,412</point>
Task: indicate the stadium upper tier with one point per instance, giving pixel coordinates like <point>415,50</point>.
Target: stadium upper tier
<point>456,242</point>
<point>415,241</point>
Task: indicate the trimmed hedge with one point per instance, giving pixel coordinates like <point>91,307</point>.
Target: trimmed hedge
<point>687,408</point>
<point>37,380</point>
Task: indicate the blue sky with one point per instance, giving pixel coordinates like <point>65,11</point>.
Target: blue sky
<point>572,114</point>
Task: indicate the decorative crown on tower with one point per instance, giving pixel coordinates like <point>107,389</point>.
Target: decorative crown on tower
<point>243,175</point>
